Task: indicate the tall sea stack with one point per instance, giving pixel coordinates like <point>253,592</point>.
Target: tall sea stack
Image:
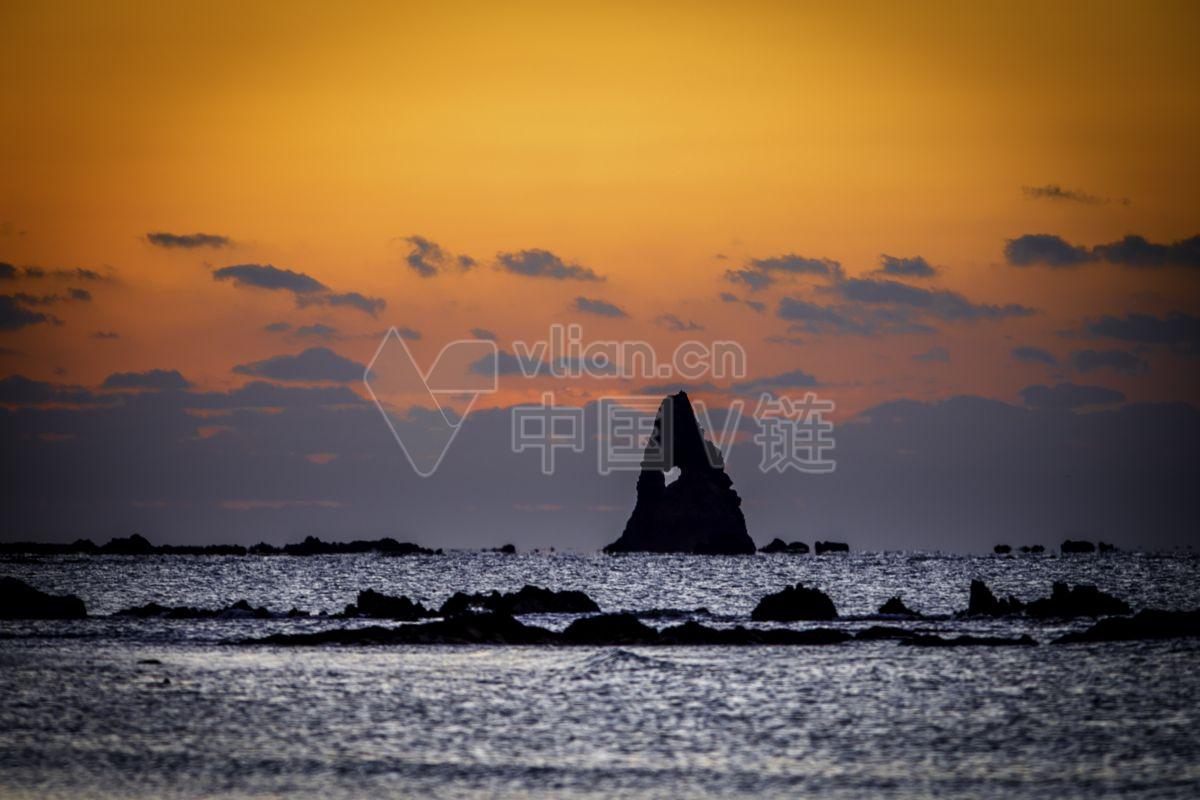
<point>697,513</point>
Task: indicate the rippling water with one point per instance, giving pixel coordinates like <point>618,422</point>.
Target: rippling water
<point>80,716</point>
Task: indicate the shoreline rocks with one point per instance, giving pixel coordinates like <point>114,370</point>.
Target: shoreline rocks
<point>1148,624</point>
<point>527,600</point>
<point>894,607</point>
<point>779,546</point>
<point>239,610</point>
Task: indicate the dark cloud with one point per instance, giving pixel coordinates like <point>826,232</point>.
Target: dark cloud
<point>1034,355</point>
<point>277,327</point>
<point>105,335</point>
<point>1178,329</point>
<point>316,364</point>
<point>590,305</point>
<point>316,331</point>
<point>762,272</point>
<point>15,315</point>
<point>754,305</point>
<point>1116,360</point>
<point>408,333</point>
<point>483,333</point>
<point>37,273</point>
<point>1067,396</point>
<point>1052,191</point>
<point>19,390</point>
<point>674,323</point>
<point>187,241</point>
<point>940,303</point>
<point>267,276</point>
<point>427,258</point>
<point>794,379</point>
<point>544,264</point>
<point>150,379</point>
<point>1131,251</point>
<point>1044,248</point>
<point>707,387</point>
<point>7,271</point>
<point>262,394</point>
<point>82,295</point>
<point>1136,251</point>
<point>915,267</point>
<point>936,354</point>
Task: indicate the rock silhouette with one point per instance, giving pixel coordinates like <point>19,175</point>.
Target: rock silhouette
<point>377,605</point>
<point>19,600</point>
<point>529,600</point>
<point>895,607</point>
<point>1080,546</point>
<point>1148,624</point>
<point>239,610</point>
<point>1082,601</point>
<point>831,547</point>
<point>779,546</point>
<point>699,512</point>
<point>1002,549</point>
<point>794,603</point>
<point>984,604</point>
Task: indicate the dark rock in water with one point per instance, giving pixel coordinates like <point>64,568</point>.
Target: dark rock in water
<point>295,612</point>
<point>507,549</point>
<point>968,641</point>
<point>1105,547</point>
<point>135,545</point>
<point>149,661</point>
<point>1002,549</point>
<point>779,546</point>
<point>463,629</point>
<point>85,546</point>
<point>1081,546</point>
<point>529,600</point>
<point>693,633</point>
<point>1082,601</point>
<point>880,632</point>
<point>794,603</point>
<point>312,546</point>
<point>373,604</point>
<point>610,629</point>
<point>895,607</point>
<point>239,610</point>
<point>1149,624</point>
<point>672,613</point>
<point>19,600</point>
<point>984,604</point>
<point>699,512</point>
<point>1036,548</point>
<point>831,547</point>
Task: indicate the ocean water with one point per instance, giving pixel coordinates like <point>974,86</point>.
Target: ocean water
<point>81,715</point>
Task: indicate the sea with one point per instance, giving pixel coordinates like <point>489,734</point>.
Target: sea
<point>116,707</point>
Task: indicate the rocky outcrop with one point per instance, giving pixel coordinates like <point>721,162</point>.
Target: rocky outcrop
<point>1082,601</point>
<point>1149,624</point>
<point>1002,549</point>
<point>19,600</point>
<point>984,604</point>
<point>831,547</point>
<point>528,600</point>
<point>1080,546</point>
<point>239,610</point>
<point>1032,548</point>
<point>895,607</point>
<point>794,603</point>
<point>699,512</point>
<point>780,546</point>
<point>376,605</point>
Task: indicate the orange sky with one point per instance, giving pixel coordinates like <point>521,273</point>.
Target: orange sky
<point>638,140</point>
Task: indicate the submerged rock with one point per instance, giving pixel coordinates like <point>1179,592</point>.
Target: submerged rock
<point>984,604</point>
<point>528,600</point>
<point>1082,601</point>
<point>19,600</point>
<point>1148,624</point>
<point>779,546</point>
<point>794,603</point>
<point>831,547</point>
<point>1081,546</point>
<point>895,607</point>
<point>924,640</point>
<point>699,512</point>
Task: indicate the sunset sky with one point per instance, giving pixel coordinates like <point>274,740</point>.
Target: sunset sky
<point>884,202</point>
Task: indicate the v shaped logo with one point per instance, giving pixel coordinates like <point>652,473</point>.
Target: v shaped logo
<point>425,409</point>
